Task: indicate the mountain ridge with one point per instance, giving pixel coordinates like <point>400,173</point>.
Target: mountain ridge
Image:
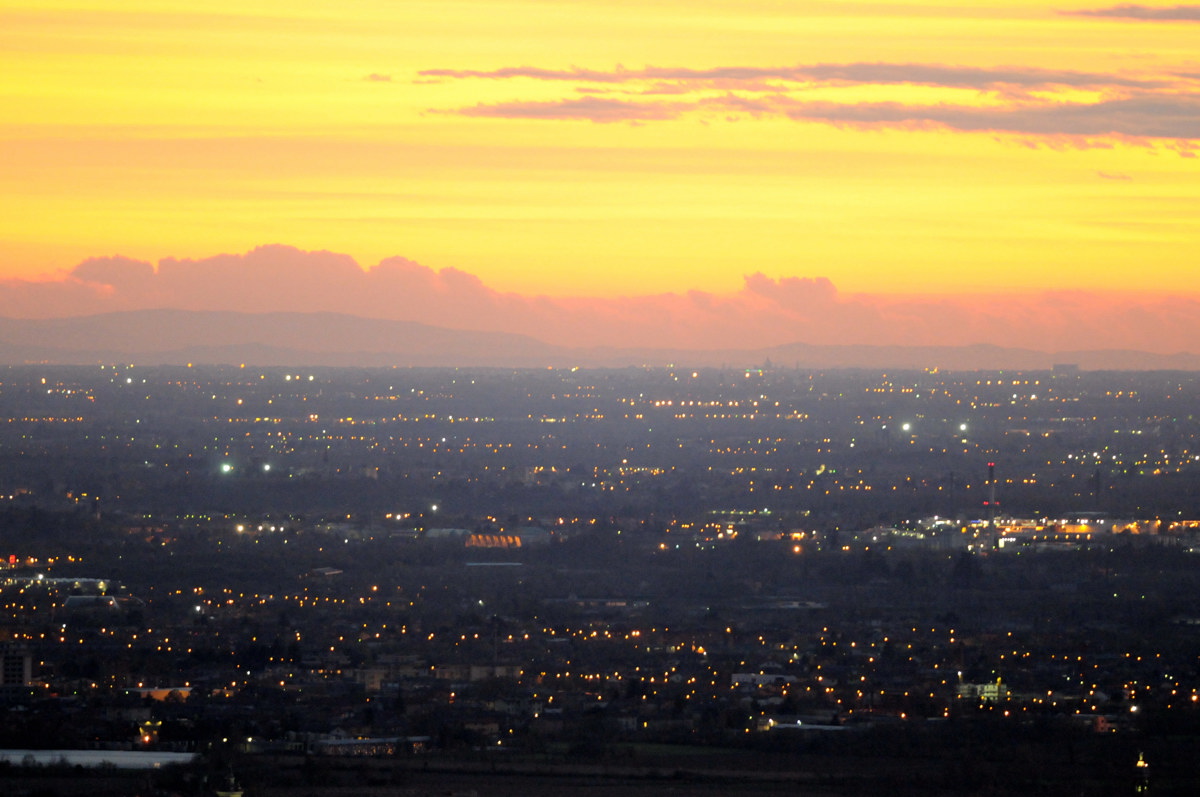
<point>179,337</point>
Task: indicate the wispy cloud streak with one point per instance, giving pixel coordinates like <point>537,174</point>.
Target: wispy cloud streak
<point>1128,11</point>
<point>1159,116</point>
<point>1167,116</point>
<point>593,109</point>
<point>866,73</point>
<point>1017,100</point>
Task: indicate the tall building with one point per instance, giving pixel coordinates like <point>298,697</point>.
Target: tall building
<point>16,666</point>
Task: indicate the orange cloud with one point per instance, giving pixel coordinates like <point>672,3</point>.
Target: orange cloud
<point>764,312</point>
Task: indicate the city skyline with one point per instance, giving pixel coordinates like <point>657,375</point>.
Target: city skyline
<point>699,175</point>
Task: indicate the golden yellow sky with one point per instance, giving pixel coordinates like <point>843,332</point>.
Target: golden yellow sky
<point>578,148</point>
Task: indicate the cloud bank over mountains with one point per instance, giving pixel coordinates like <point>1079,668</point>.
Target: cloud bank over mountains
<point>765,311</point>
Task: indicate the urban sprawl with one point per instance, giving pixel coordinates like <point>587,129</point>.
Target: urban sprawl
<point>559,567</point>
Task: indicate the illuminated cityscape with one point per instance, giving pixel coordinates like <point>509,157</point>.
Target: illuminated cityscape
<point>565,566</point>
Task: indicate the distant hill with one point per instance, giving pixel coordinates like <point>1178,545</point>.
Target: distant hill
<point>176,337</point>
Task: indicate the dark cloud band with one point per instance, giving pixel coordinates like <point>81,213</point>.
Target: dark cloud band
<point>1173,14</point>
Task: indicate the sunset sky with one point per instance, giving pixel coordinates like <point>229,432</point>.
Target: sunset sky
<point>743,171</point>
